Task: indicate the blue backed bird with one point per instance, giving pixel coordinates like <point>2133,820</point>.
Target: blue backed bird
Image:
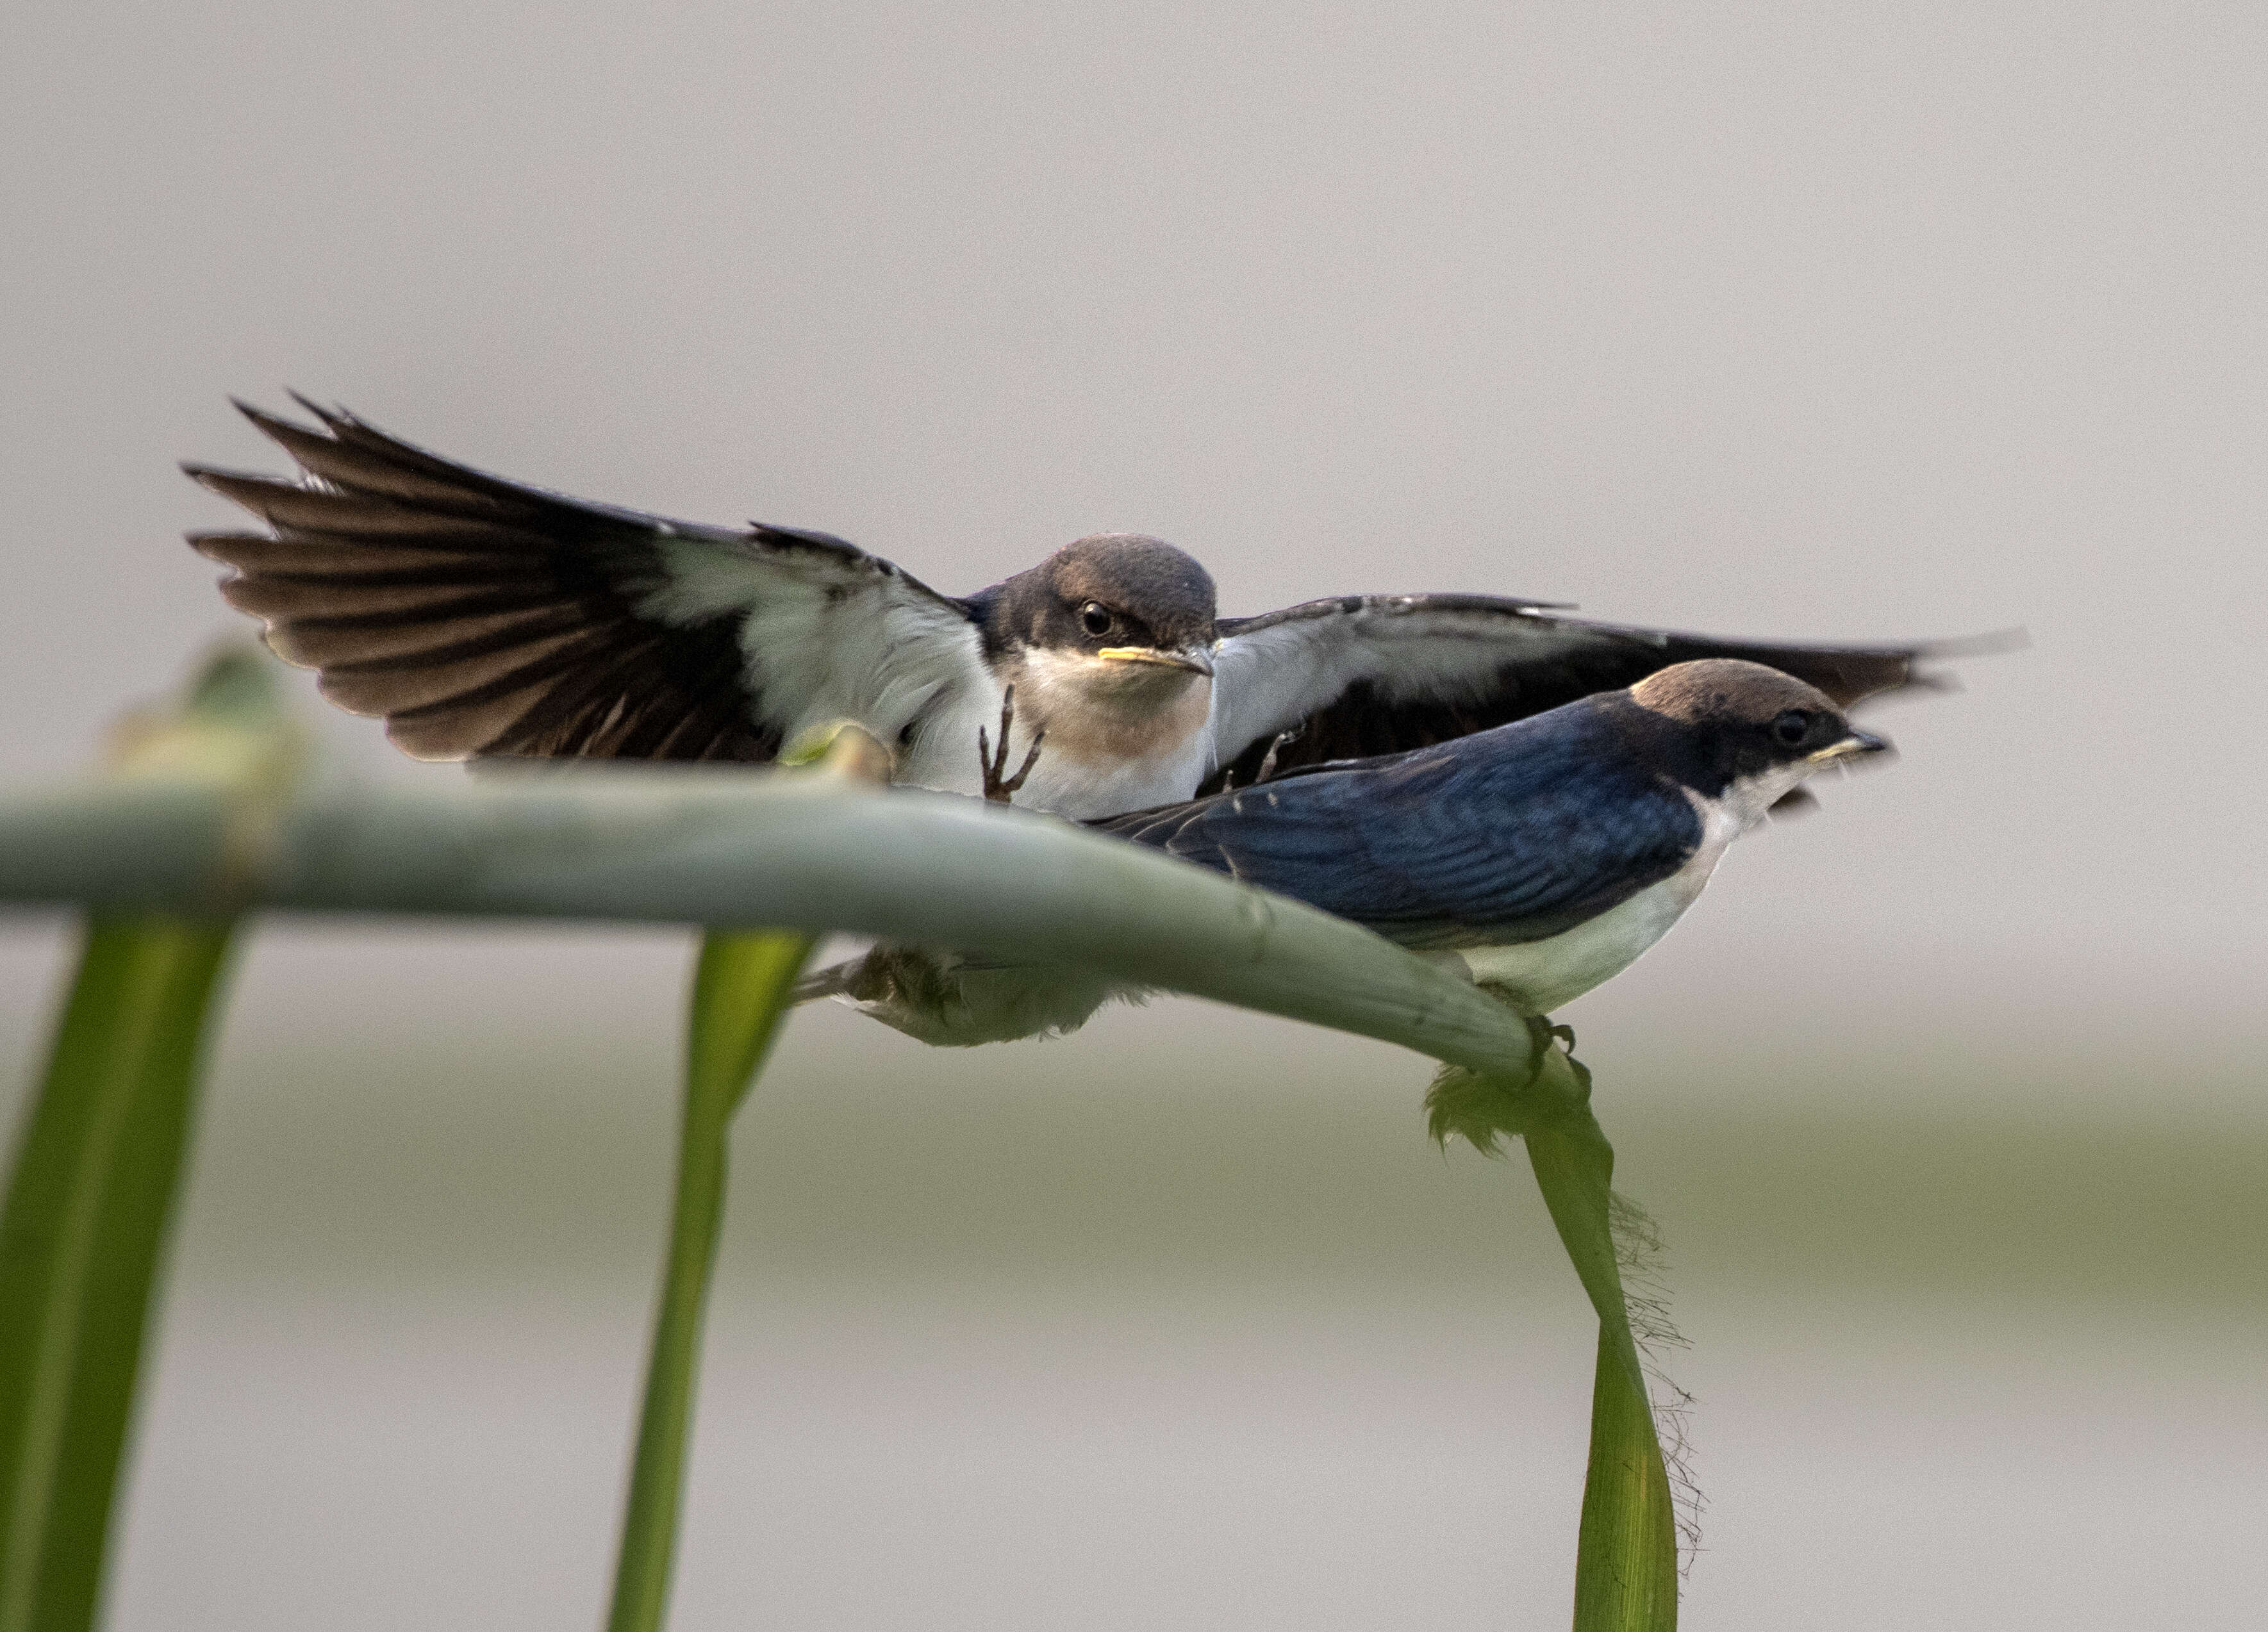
<point>1543,857</point>
<point>1539,858</point>
<point>482,617</point>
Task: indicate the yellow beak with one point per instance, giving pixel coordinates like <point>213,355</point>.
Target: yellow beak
<point>1856,744</point>
<point>1195,661</point>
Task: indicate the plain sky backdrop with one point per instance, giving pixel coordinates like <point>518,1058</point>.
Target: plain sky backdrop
<point>1840,322</point>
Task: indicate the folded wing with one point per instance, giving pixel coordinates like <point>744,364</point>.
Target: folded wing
<point>480,616</point>
<point>1510,837</point>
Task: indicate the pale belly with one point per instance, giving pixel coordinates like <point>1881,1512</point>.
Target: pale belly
<point>1086,792</point>
<point>1539,976</point>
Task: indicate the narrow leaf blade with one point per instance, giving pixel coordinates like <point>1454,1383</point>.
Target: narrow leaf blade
<point>81,1235</point>
<point>1626,1554</point>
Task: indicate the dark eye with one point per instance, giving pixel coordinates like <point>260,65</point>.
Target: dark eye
<point>1793,726</point>
<point>1096,618</point>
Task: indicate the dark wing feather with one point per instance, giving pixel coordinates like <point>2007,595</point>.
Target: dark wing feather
<point>1515,834</point>
<point>482,616</point>
<point>1368,674</point>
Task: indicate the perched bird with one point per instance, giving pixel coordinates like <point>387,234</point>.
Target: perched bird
<point>482,617</point>
<point>1540,858</point>
<point>1543,857</point>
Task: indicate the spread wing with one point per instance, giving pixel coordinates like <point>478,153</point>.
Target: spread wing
<point>1368,674</point>
<point>1511,837</point>
<point>480,616</point>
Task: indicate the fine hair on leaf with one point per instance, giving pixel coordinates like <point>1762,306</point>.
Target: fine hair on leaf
<point>1642,1255</point>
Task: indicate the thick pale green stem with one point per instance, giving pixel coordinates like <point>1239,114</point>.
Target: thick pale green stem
<point>739,846</point>
<point>743,988</point>
<point>95,1173</point>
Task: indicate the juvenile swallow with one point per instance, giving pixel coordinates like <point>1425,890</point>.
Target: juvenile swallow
<point>482,617</point>
<point>1539,859</point>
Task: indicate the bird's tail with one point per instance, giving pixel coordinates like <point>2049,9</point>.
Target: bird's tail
<point>952,1000</point>
<point>834,982</point>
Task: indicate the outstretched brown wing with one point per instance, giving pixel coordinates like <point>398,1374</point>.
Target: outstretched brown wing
<point>480,616</point>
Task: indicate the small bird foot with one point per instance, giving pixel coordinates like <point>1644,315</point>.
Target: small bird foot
<point>1267,759</point>
<point>994,762</point>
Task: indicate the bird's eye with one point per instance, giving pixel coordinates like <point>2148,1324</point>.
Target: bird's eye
<point>1792,726</point>
<point>1096,618</point>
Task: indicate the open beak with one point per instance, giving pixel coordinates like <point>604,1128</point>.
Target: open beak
<point>1858,745</point>
<point>1195,659</point>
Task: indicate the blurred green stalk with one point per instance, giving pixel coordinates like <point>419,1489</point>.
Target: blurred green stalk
<point>742,988</point>
<point>95,1174</point>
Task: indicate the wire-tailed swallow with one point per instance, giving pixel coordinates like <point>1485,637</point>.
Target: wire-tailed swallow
<point>1543,856</point>
<point>484,617</point>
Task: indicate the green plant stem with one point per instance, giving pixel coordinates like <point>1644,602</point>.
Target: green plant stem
<point>1626,1552</point>
<point>742,988</point>
<point>780,849</point>
<point>83,1227</point>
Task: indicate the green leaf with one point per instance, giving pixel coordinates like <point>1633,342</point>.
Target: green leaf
<point>742,988</point>
<point>1626,1554</point>
<point>99,1160</point>
<point>81,1236</point>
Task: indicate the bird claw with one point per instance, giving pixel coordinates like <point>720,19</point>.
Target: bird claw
<point>994,762</point>
<point>1267,759</point>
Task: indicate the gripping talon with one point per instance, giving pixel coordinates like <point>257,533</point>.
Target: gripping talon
<point>1031,757</point>
<point>992,759</point>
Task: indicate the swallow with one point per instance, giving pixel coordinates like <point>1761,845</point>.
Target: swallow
<point>1538,859</point>
<point>1542,857</point>
<point>482,617</point>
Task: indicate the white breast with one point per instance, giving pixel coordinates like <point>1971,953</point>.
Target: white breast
<point>1539,976</point>
<point>1083,792</point>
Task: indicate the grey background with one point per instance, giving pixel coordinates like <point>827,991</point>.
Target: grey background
<point>1823,322</point>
